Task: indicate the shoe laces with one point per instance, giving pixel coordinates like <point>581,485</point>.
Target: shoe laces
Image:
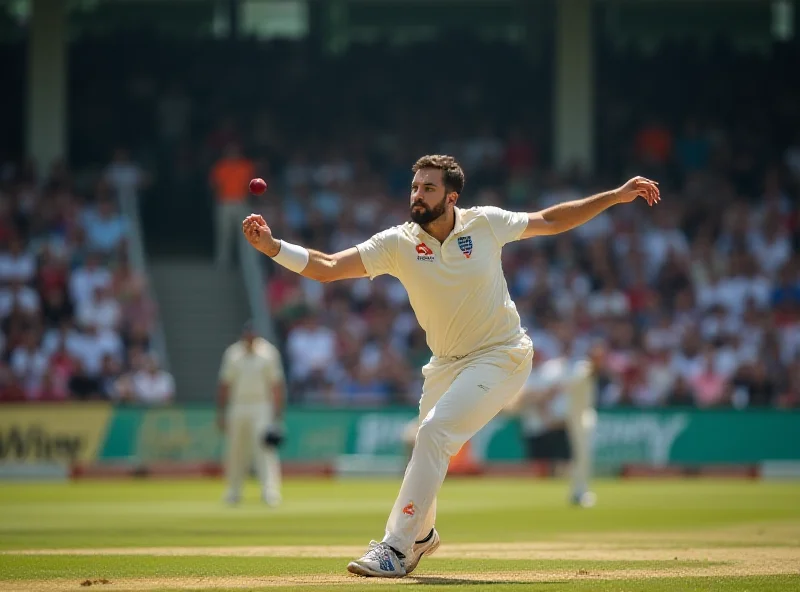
<point>377,549</point>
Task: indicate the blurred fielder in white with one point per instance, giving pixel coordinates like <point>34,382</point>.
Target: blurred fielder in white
<point>557,411</point>
<point>448,260</point>
<point>250,409</point>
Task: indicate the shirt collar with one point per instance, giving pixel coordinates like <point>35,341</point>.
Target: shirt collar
<point>459,226</point>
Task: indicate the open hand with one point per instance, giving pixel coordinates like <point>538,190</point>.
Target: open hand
<point>259,235</point>
<point>640,187</point>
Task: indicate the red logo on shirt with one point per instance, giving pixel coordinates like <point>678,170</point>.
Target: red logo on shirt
<point>424,253</point>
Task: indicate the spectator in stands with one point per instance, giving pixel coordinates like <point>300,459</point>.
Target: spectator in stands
<point>365,387</point>
<point>609,301</point>
<point>785,295</point>
<point>754,387</point>
<point>771,244</point>
<point>285,297</point>
<point>86,278</point>
<point>30,366</point>
<point>110,373</point>
<point>710,387</point>
<point>658,377</point>
<point>94,344</point>
<point>791,393</point>
<point>103,310</point>
<point>17,264</point>
<point>18,297</point>
<point>125,177</point>
<point>126,283</point>
<point>10,389</point>
<point>63,366</point>
<point>138,311</point>
<point>106,229</point>
<point>136,337</point>
<point>83,384</point>
<point>63,335</point>
<point>312,354</point>
<point>681,394</point>
<point>52,275</point>
<point>230,179</point>
<point>150,385</point>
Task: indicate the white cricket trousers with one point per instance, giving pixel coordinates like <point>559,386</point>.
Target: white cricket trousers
<point>459,397</point>
<point>245,428</point>
<point>581,421</point>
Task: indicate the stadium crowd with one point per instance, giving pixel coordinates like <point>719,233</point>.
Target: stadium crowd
<point>697,301</point>
<point>76,318</point>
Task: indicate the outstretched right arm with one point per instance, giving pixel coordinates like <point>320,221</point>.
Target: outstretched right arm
<point>312,264</point>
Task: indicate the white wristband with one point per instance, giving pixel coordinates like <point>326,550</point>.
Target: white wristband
<point>292,257</point>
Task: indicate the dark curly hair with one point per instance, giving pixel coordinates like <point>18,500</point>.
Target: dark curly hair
<point>452,173</point>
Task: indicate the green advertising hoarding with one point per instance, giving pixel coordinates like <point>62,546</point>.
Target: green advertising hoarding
<point>718,436</point>
<point>190,434</point>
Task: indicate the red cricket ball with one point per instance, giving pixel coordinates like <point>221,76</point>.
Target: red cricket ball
<point>258,186</point>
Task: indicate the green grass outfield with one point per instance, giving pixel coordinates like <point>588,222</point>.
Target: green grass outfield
<point>497,534</point>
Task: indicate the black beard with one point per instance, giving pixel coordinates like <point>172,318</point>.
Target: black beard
<point>427,215</point>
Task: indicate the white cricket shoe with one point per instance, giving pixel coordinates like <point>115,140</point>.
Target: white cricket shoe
<point>273,500</point>
<point>422,548</point>
<point>380,561</point>
<point>587,499</point>
<point>232,499</point>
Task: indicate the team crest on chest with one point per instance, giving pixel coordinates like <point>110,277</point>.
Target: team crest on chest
<point>465,244</point>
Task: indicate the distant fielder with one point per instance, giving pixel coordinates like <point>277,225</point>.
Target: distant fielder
<point>251,395</point>
<point>557,410</point>
<point>448,260</point>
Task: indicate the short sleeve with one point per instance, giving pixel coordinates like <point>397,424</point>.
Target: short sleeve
<point>379,253</point>
<point>506,226</point>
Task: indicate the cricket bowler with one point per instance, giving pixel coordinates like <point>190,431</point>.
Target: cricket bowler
<point>448,260</point>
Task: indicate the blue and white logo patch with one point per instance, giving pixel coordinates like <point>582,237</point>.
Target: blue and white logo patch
<point>465,244</point>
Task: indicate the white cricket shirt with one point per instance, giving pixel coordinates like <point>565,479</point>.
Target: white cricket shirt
<point>457,288</point>
<point>251,375</point>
